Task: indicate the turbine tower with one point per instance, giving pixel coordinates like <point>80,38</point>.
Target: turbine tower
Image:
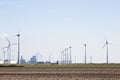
<point>61,57</point>
<point>70,55</point>
<point>85,53</point>
<point>18,35</point>
<point>106,45</point>
<point>67,56</point>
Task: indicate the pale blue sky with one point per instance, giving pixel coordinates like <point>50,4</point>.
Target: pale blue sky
<point>49,26</point>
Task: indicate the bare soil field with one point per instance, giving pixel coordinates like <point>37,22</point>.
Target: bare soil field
<point>59,73</point>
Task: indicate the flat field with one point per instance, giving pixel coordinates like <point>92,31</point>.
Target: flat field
<point>61,72</point>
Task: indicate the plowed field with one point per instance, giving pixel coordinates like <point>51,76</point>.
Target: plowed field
<point>56,73</point>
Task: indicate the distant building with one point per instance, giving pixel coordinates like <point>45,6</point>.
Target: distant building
<point>33,60</point>
<point>22,61</point>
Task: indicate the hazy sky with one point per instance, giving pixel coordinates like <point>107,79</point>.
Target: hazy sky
<point>49,26</point>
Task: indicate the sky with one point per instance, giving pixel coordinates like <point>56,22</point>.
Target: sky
<point>47,27</point>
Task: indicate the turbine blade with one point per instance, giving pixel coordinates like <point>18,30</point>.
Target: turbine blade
<point>8,41</point>
<point>104,45</point>
<point>83,44</point>
<point>5,47</point>
<point>106,40</point>
<point>13,44</point>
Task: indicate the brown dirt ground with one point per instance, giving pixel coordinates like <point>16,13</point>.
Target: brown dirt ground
<point>28,73</point>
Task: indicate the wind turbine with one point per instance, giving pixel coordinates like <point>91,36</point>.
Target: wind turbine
<point>61,56</point>
<point>65,56</point>
<point>9,50</point>
<point>63,53</point>
<point>18,35</point>
<point>3,54</point>
<point>70,55</point>
<point>85,45</point>
<point>106,45</point>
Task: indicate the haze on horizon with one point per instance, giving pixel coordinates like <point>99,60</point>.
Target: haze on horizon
<point>49,26</point>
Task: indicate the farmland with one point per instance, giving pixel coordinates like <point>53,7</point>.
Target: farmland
<point>61,72</point>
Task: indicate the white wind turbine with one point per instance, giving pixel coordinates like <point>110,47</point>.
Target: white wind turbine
<point>8,47</point>
<point>107,54</point>
<point>85,45</point>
